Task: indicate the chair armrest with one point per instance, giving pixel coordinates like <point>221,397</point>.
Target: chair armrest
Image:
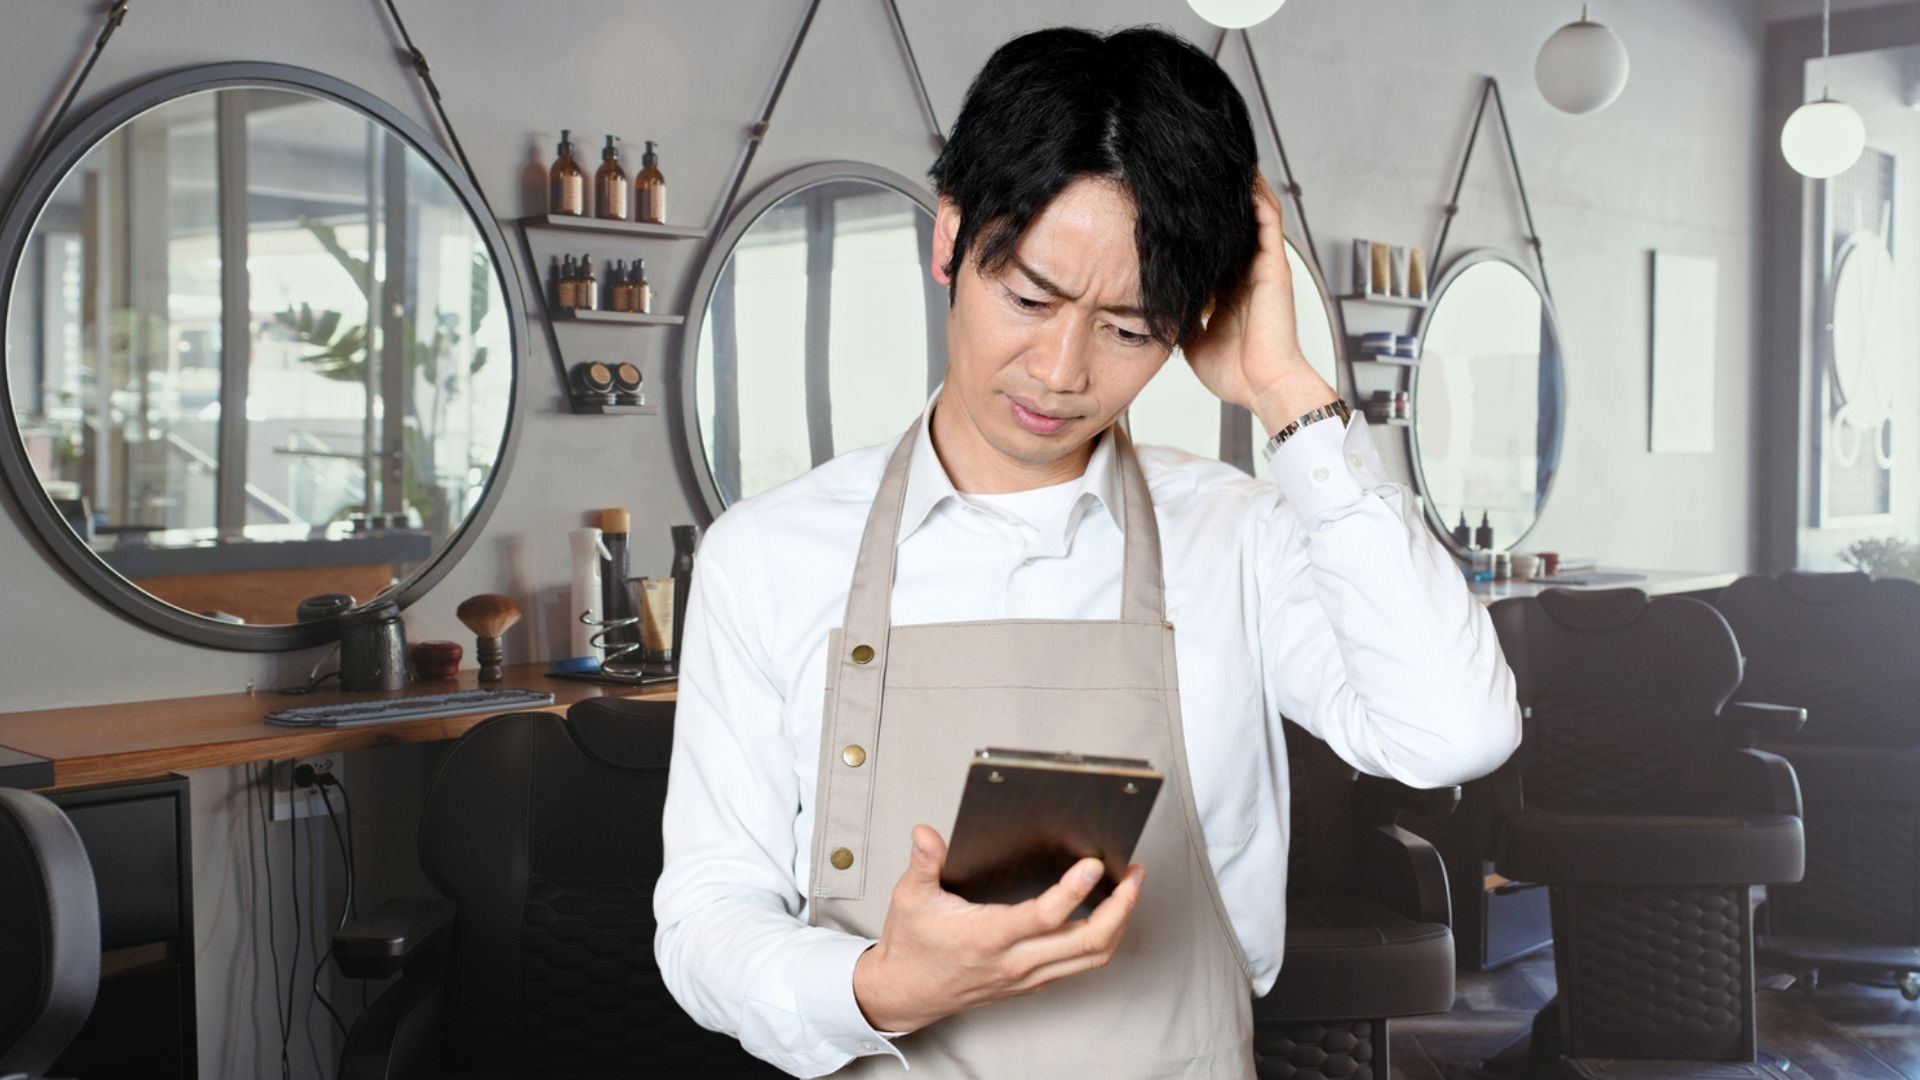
<point>391,936</point>
<point>1752,781</point>
<point>1761,719</point>
<point>1399,870</point>
<point>399,1036</point>
<point>1385,798</point>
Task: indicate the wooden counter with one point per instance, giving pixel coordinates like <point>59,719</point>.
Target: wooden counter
<point>91,744</point>
<point>1651,582</point>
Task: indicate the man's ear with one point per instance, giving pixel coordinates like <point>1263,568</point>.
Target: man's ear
<point>946,229</point>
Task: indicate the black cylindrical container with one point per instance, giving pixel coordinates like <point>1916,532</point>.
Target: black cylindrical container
<point>685,539</point>
<point>373,648</point>
<point>616,596</point>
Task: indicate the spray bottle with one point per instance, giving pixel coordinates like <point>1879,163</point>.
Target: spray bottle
<point>588,550</point>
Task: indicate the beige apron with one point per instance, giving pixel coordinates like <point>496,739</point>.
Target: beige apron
<point>906,707</point>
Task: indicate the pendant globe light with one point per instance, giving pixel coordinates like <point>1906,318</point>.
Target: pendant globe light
<point>1823,138</point>
<point>1582,68</point>
<point>1235,14</point>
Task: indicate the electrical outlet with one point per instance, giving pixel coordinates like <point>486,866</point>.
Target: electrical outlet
<point>291,802</point>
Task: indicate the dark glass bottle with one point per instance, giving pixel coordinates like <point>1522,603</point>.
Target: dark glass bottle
<point>587,291</point>
<point>610,185</point>
<point>650,188</point>
<point>565,291</point>
<point>566,183</point>
<point>1483,536</point>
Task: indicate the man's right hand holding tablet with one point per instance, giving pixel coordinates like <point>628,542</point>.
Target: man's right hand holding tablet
<point>939,954</point>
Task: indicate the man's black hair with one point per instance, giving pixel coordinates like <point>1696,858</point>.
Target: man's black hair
<point>1140,107</point>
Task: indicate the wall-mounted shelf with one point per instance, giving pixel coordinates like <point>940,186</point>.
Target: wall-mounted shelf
<point>590,315</point>
<point>633,230</point>
<point>641,229</point>
<point>1400,361</point>
<point>1387,421</point>
<point>588,408</point>
<point>1393,301</point>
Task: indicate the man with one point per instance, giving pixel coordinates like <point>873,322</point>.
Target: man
<point>1010,572</point>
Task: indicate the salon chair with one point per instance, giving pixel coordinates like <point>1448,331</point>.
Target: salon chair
<point>1635,800</point>
<point>1847,648</point>
<point>542,835</point>
<point>49,934</point>
<point>1367,935</point>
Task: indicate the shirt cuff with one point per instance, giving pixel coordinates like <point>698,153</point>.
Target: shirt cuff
<point>827,1001</point>
<point>1323,468</point>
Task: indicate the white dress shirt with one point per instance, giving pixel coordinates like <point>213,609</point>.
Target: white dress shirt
<point>1319,596</point>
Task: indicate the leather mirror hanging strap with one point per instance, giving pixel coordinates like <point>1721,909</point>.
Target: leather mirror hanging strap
<point>1490,91</point>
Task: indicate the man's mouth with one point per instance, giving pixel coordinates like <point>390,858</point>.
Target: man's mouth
<point>1031,418</point>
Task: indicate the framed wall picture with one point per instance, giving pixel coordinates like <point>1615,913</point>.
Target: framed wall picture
<point>1684,315</point>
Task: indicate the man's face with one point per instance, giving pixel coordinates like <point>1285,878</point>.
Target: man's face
<point>1045,353</point>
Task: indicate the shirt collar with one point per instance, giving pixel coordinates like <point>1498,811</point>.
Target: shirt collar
<point>928,484</point>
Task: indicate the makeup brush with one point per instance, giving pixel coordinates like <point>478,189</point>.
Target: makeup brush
<point>488,615</point>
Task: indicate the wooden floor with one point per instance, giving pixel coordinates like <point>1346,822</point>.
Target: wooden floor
<point>1843,1032</point>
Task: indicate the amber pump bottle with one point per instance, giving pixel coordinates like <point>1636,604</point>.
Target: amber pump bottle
<point>610,185</point>
<point>566,184</point>
<point>650,188</point>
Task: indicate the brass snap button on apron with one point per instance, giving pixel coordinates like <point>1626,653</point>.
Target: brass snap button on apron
<point>841,858</point>
<point>862,653</point>
<point>854,756</point>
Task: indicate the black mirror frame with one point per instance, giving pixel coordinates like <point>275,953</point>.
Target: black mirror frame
<point>1459,265</point>
<point>719,250</point>
<point>54,535</point>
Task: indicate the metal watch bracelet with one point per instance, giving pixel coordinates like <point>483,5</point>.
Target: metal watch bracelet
<point>1336,407</point>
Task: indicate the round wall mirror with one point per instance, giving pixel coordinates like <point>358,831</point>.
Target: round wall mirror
<point>1488,400</point>
<point>1175,410</point>
<point>821,329</point>
<point>1864,328</point>
<point>260,341</point>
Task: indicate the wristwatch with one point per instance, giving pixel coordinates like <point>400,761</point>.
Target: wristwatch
<point>1336,407</point>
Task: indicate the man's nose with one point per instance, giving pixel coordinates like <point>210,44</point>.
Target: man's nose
<point>1060,359</point>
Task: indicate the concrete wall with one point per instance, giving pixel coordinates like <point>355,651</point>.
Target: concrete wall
<point>1374,99</point>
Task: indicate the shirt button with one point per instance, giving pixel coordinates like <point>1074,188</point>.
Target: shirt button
<point>1320,474</point>
<point>1354,460</point>
<point>868,1046</point>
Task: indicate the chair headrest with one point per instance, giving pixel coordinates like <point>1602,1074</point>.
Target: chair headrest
<point>1815,588</point>
<point>634,734</point>
<point>1593,609</point>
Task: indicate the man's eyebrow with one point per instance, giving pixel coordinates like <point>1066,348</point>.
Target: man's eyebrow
<point>1046,285</point>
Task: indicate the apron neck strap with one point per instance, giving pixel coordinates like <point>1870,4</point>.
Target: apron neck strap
<point>870,599</point>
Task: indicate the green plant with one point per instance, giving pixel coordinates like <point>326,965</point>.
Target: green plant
<point>343,354</point>
<point>1885,557</point>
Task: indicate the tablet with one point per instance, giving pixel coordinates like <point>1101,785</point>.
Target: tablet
<point>1026,816</point>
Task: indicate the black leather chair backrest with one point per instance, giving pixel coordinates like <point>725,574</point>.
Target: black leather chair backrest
<point>545,833</point>
<point>1320,798</point>
<point>1623,690</point>
<point>49,933</point>
<point>1843,646</point>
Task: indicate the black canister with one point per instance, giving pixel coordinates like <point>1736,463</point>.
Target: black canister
<point>686,538</point>
<point>373,648</point>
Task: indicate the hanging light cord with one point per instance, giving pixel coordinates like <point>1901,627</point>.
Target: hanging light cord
<point>1826,47</point>
<point>115,16</point>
